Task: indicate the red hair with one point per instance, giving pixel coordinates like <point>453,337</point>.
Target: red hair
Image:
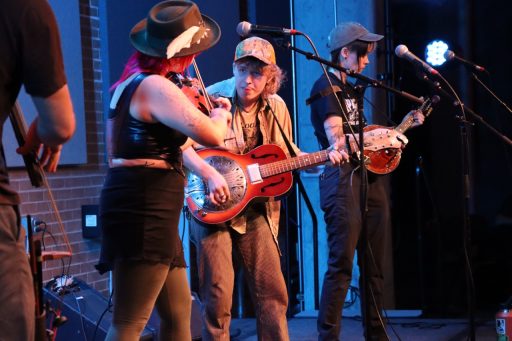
<point>140,62</point>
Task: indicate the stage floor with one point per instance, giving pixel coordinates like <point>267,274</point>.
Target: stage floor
<point>405,329</point>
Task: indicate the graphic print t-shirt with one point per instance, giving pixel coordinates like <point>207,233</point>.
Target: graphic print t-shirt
<point>251,129</point>
<point>327,105</point>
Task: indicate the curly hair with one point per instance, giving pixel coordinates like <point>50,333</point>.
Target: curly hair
<point>275,78</point>
<point>275,75</point>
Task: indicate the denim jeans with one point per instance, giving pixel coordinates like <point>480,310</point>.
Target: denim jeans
<point>260,260</point>
<point>17,305</point>
<point>340,195</point>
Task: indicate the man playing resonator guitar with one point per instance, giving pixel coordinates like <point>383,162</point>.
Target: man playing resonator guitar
<point>257,112</point>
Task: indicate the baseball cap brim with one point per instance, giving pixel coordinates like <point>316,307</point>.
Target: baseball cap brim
<point>348,32</point>
<point>261,59</point>
<point>371,37</point>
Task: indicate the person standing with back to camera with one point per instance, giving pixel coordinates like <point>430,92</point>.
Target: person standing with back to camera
<point>149,122</point>
<point>349,44</point>
<point>31,56</point>
<point>252,235</point>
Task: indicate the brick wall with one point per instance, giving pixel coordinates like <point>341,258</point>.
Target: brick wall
<point>74,186</point>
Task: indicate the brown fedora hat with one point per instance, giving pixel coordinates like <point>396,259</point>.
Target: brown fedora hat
<point>169,20</point>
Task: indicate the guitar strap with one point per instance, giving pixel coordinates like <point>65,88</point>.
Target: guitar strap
<point>323,93</point>
<point>286,141</point>
<point>334,89</point>
<point>297,179</point>
<point>239,137</point>
<point>356,91</point>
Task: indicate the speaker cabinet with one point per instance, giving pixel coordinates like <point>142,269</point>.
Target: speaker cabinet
<point>83,307</point>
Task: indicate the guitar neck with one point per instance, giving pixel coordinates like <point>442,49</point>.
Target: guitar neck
<point>294,163</point>
<point>425,108</point>
<point>406,124</point>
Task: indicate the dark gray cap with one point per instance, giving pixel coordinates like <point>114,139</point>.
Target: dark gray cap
<point>347,32</point>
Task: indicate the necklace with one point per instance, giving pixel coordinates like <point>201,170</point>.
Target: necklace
<point>247,109</point>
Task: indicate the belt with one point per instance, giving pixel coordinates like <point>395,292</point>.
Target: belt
<point>147,163</point>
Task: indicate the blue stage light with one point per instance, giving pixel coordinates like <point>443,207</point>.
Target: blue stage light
<point>434,53</point>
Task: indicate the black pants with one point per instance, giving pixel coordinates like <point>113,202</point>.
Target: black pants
<point>340,201</point>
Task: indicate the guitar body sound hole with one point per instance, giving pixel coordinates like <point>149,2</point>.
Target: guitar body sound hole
<point>278,182</point>
<point>235,177</point>
<point>384,161</point>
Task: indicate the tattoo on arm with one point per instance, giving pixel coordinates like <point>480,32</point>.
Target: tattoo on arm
<point>191,119</point>
<point>334,132</point>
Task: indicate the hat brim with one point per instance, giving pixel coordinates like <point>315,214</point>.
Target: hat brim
<point>138,39</point>
<point>261,59</point>
<point>371,37</point>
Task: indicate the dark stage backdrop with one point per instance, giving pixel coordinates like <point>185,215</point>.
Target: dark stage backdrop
<point>427,200</point>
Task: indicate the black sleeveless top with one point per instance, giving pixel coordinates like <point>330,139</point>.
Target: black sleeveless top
<point>140,207</point>
<point>130,138</point>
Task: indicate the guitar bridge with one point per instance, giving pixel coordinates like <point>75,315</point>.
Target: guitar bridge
<point>254,173</point>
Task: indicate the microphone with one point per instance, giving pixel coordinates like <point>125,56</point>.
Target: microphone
<point>245,28</point>
<point>403,52</point>
<point>450,55</point>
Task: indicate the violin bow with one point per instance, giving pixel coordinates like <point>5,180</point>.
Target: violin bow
<point>38,178</point>
<point>203,88</point>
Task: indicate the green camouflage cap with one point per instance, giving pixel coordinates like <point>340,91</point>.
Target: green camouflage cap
<point>257,48</point>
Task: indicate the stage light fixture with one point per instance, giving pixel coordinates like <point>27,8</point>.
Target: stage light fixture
<point>434,53</point>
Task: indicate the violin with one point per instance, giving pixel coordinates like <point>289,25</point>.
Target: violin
<point>194,89</point>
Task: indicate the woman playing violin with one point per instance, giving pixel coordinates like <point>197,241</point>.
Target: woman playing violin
<point>150,120</point>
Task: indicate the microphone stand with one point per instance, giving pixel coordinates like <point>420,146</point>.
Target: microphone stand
<point>371,82</point>
<point>465,179</point>
<point>367,303</point>
<point>503,104</point>
<point>437,88</point>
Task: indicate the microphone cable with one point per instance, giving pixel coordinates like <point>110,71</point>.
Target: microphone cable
<point>109,306</point>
